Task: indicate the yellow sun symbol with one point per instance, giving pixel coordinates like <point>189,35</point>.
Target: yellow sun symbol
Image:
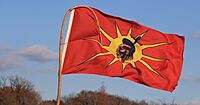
<point>135,57</point>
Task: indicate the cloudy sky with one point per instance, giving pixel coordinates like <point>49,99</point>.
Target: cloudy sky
<point>29,40</point>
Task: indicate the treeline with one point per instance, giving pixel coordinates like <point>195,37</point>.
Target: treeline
<point>19,91</point>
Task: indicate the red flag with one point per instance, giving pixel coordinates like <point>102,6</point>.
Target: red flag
<point>122,48</point>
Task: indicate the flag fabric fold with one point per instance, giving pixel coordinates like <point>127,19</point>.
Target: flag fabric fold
<point>122,48</point>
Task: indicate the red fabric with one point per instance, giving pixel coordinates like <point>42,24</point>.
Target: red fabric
<point>79,50</point>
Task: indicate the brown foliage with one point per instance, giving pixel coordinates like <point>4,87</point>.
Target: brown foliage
<point>99,97</point>
<point>18,91</point>
<point>48,102</point>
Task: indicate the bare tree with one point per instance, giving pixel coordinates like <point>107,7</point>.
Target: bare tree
<point>3,81</point>
<point>18,91</point>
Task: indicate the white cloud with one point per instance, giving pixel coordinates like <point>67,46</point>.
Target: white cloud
<point>38,53</point>
<point>5,47</point>
<point>12,58</point>
<point>196,35</point>
<point>10,62</point>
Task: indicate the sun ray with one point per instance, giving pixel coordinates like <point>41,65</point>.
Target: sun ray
<point>141,35</point>
<point>129,32</point>
<point>113,61</point>
<point>118,31</point>
<point>133,64</point>
<point>151,58</point>
<point>149,67</point>
<point>99,54</point>
<point>106,35</point>
<point>105,47</point>
<point>153,45</point>
<point>123,66</point>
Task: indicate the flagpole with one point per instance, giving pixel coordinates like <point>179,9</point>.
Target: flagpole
<point>63,51</point>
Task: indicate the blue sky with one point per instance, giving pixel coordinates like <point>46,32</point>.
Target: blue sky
<point>29,39</point>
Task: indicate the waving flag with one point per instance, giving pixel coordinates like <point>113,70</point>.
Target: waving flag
<point>112,46</point>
